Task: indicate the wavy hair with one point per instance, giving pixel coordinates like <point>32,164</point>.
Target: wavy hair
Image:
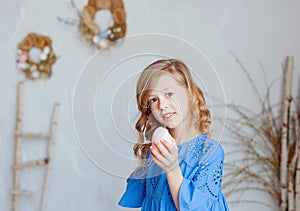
<point>146,123</point>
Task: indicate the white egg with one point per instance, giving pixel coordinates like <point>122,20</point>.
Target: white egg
<point>46,50</point>
<point>161,133</point>
<point>34,55</point>
<point>19,51</point>
<point>23,65</point>
<point>103,43</point>
<point>43,56</point>
<point>96,39</point>
<point>35,74</point>
<point>33,68</point>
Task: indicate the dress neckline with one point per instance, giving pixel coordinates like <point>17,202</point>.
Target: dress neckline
<point>201,137</point>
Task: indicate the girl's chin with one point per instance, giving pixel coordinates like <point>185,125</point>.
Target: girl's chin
<point>171,126</point>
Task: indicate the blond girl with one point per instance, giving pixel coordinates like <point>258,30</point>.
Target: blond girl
<point>185,173</point>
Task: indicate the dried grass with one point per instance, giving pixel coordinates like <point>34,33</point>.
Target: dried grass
<point>256,137</point>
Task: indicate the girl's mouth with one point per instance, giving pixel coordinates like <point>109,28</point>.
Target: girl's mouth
<point>168,116</point>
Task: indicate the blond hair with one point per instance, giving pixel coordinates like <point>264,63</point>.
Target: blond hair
<point>146,123</point>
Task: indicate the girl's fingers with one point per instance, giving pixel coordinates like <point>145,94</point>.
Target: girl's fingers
<point>157,154</point>
<point>153,147</point>
<point>157,161</point>
<point>154,151</point>
<point>171,147</point>
<point>164,149</point>
<point>167,145</point>
<point>161,146</point>
<point>162,157</point>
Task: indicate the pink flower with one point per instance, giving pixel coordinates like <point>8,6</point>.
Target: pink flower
<point>22,58</point>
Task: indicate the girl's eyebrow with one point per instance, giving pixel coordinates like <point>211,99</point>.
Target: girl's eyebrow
<point>165,88</point>
<point>151,95</point>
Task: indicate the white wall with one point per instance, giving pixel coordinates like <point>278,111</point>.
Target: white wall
<point>254,31</point>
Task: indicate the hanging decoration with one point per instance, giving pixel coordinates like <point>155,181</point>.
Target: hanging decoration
<point>91,31</point>
<point>35,56</point>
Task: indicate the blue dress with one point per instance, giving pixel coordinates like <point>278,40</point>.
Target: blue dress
<point>201,164</point>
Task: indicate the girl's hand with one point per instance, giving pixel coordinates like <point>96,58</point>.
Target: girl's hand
<point>164,154</point>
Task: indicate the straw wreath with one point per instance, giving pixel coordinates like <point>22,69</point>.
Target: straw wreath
<point>90,31</point>
<point>35,56</point>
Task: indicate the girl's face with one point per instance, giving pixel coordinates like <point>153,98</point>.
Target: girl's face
<point>168,101</point>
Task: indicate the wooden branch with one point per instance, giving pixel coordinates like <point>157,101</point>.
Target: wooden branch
<point>292,169</point>
<point>52,129</point>
<point>291,195</point>
<point>17,150</point>
<point>22,192</point>
<point>31,135</point>
<point>297,179</point>
<point>284,132</point>
<point>31,164</point>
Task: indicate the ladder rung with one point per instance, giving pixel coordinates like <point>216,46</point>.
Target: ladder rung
<point>31,164</point>
<point>31,135</point>
<point>22,192</point>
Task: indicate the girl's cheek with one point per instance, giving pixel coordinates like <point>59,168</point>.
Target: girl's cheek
<point>158,117</point>
<point>174,101</point>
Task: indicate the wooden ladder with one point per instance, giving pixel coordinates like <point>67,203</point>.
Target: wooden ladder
<point>16,191</point>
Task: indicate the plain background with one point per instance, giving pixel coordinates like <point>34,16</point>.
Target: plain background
<point>259,33</point>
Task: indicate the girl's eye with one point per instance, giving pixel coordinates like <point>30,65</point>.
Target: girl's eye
<point>152,100</point>
<point>169,94</point>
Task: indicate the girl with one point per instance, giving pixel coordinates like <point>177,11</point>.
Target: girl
<point>183,175</point>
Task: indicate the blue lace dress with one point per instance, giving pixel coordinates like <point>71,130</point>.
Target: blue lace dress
<point>201,163</point>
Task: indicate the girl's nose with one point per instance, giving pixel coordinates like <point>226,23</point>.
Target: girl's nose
<point>163,102</point>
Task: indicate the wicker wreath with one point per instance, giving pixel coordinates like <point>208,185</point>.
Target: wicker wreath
<point>35,56</point>
<point>92,32</point>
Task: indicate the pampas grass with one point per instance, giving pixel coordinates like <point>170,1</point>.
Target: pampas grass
<point>266,147</point>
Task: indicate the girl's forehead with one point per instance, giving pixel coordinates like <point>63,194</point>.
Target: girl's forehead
<point>155,91</point>
<point>164,82</point>
<point>165,88</point>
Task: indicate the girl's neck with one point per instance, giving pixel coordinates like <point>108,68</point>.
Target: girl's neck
<point>182,135</point>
